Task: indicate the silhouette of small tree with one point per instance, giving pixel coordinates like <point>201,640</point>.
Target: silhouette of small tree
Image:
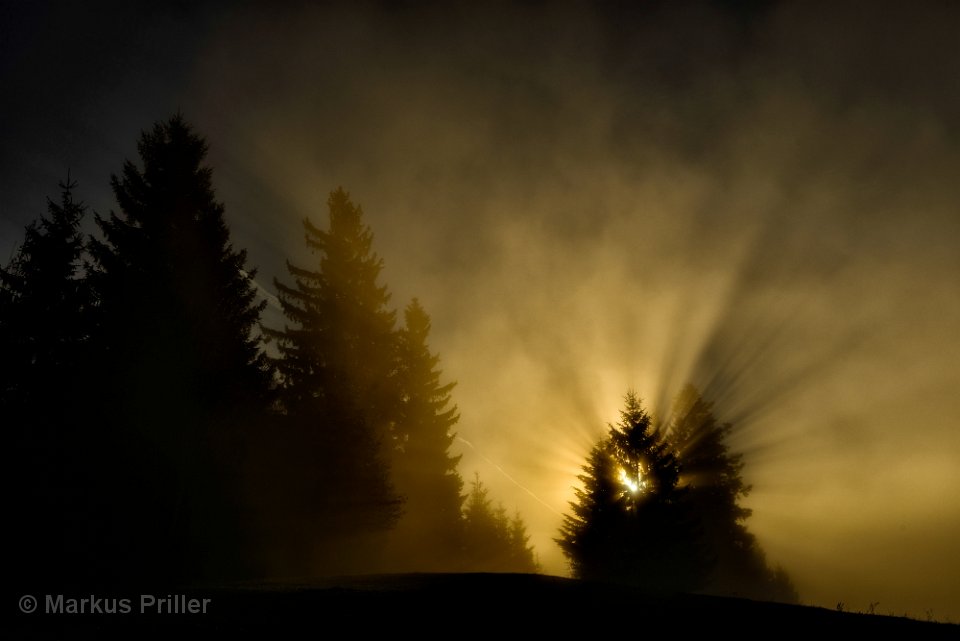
<point>492,541</point>
<point>522,556</point>
<point>660,508</point>
<point>712,476</point>
<point>629,522</point>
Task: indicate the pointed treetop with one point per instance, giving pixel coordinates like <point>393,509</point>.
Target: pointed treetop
<point>417,320</point>
<point>346,221</point>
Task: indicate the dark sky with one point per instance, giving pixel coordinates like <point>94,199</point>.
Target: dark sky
<point>762,198</point>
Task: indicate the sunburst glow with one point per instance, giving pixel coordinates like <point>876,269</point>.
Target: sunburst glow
<point>633,483</point>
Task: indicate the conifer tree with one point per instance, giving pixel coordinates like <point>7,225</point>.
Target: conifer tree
<point>342,344</point>
<point>338,378</point>
<point>522,557</point>
<point>660,508</point>
<point>713,478</point>
<point>484,547</point>
<point>43,305</point>
<point>425,472</point>
<point>492,541</point>
<point>628,522</point>
<point>41,299</point>
<point>181,368</point>
<point>171,285</point>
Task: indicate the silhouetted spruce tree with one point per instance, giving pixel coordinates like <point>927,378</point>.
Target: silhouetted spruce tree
<point>712,476</point>
<point>522,556</point>
<point>41,298</point>
<point>339,390</point>
<point>42,329</point>
<point>492,541</point>
<point>629,523</point>
<point>429,533</point>
<point>181,371</point>
<point>484,545</point>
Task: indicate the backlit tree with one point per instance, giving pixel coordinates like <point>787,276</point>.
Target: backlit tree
<point>714,486</point>
<point>179,375</point>
<point>492,541</point>
<point>628,522</point>
<point>338,383</point>
<point>429,532</point>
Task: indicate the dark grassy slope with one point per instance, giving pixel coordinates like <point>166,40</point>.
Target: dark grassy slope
<point>457,605</point>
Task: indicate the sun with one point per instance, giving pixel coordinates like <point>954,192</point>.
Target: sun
<point>633,484</point>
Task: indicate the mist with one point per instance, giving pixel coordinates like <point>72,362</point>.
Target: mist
<point>760,201</point>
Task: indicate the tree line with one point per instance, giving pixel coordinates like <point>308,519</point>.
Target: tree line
<point>154,438</point>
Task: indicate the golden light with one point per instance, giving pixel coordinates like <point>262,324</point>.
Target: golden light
<point>632,484</point>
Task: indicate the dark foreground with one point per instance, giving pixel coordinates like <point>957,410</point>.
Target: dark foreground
<point>431,605</point>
